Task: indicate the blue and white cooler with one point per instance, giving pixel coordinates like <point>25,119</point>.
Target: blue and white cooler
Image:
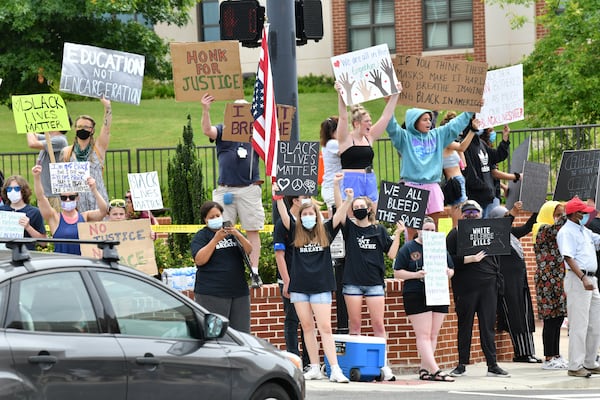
<point>359,357</point>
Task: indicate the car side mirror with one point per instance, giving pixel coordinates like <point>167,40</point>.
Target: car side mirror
<point>215,326</point>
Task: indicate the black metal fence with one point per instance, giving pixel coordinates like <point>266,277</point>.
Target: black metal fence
<point>547,145</point>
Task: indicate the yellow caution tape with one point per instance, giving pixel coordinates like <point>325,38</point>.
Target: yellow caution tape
<point>194,228</point>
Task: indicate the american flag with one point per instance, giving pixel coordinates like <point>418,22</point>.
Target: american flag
<point>265,130</point>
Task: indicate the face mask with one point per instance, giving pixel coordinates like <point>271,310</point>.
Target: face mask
<point>83,134</point>
<point>309,221</point>
<point>14,196</point>
<point>215,223</point>
<point>584,220</point>
<point>68,205</point>
<point>306,201</point>
<point>493,137</point>
<point>361,213</point>
<point>479,132</point>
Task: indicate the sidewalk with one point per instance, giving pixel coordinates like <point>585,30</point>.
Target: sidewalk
<point>523,377</point>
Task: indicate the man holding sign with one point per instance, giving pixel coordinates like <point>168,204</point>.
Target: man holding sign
<point>239,190</point>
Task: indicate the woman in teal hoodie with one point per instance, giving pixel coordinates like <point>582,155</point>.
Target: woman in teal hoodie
<point>421,149</point>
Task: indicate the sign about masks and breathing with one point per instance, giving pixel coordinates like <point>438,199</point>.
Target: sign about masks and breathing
<point>207,67</point>
<point>69,177</point>
<point>398,202</point>
<point>40,113</point>
<point>95,72</point>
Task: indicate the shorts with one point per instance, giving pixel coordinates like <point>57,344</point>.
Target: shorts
<point>312,298</point>
<point>359,290</point>
<point>463,190</point>
<point>363,184</point>
<point>435,202</point>
<point>414,303</point>
<point>247,206</point>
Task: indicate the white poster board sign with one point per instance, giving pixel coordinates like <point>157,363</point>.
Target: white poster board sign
<point>69,177</point>
<point>145,191</point>
<point>503,100</point>
<point>95,72</point>
<point>435,263</point>
<point>366,74</point>
<point>9,225</point>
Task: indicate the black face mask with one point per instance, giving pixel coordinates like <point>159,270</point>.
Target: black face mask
<point>83,134</point>
<point>361,213</point>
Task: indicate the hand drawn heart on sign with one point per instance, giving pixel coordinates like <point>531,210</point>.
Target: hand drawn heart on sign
<point>283,183</point>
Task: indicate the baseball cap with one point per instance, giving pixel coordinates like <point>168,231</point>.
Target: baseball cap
<point>470,205</point>
<point>575,204</point>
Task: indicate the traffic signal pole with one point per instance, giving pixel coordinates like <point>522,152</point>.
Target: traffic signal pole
<point>282,50</point>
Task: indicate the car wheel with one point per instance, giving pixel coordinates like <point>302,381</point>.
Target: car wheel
<point>270,391</point>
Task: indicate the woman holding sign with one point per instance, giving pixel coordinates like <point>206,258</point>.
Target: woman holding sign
<point>63,225</point>
<point>426,320</point>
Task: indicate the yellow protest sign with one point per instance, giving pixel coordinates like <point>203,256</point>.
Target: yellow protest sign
<point>40,113</point>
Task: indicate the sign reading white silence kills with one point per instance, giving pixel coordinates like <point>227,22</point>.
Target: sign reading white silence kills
<point>435,263</point>
<point>398,202</point>
<point>69,177</point>
<point>489,235</point>
<point>40,113</point>
<point>95,72</point>
<point>297,168</point>
<point>145,191</point>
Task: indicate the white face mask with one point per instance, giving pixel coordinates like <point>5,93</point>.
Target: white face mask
<point>14,196</point>
<point>306,201</point>
<point>68,205</point>
<point>215,223</point>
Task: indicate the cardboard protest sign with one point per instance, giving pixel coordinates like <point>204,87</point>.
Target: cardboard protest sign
<point>503,97</point>
<point>237,125</point>
<point>440,84</point>
<point>145,191</point>
<point>95,72</point>
<point>40,113</point>
<point>401,202</point>
<point>517,158</point>
<point>69,177</point>
<point>578,175</point>
<point>366,74</point>
<point>297,164</point>
<point>435,263</point>
<point>207,67</point>
<point>9,225</point>
<point>535,185</point>
<point>489,235</point>
<point>136,248</point>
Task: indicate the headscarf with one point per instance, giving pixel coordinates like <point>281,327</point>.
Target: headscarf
<point>545,217</point>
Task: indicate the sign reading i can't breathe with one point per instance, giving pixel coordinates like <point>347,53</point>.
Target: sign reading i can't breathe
<point>95,72</point>
<point>489,235</point>
<point>398,202</point>
<point>297,168</point>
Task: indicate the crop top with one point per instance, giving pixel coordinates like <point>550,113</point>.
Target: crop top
<point>453,160</point>
<point>357,157</point>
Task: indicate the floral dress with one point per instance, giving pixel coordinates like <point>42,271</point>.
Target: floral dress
<point>550,273</point>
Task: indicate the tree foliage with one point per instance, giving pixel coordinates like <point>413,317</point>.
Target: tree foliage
<point>186,190</point>
<point>34,33</point>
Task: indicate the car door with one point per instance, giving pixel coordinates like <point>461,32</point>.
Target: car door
<point>56,341</point>
<point>160,335</point>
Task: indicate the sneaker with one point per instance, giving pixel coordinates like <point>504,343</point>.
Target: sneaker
<point>581,373</point>
<point>387,374</point>
<point>564,363</point>
<point>337,375</point>
<point>460,370</point>
<point>498,372</point>
<point>256,281</point>
<point>554,363</point>
<point>593,371</point>
<point>314,373</point>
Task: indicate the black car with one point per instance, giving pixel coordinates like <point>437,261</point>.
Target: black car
<point>78,328</point>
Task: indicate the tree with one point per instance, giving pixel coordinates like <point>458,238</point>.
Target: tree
<point>34,33</point>
<point>186,190</point>
<point>561,77</point>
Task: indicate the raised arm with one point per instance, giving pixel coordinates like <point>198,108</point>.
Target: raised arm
<point>104,138</point>
<point>207,127</point>
<point>337,191</point>
<point>340,213</point>
<point>393,251</point>
<point>99,213</point>
<point>378,127</point>
<point>342,127</point>
<point>33,142</point>
<point>49,214</point>
<point>281,208</point>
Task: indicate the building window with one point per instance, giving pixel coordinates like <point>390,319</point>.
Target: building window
<point>447,24</point>
<point>371,22</point>
<point>208,21</point>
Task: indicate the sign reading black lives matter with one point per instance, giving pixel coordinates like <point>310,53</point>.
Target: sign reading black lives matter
<point>578,175</point>
<point>96,72</point>
<point>297,168</point>
<point>398,202</point>
<point>489,235</point>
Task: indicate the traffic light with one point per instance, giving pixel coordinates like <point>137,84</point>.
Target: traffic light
<point>242,20</point>
<point>309,21</point>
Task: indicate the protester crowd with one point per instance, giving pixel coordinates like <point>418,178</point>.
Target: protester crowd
<point>339,246</point>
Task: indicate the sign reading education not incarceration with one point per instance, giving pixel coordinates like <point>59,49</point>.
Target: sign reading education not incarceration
<point>440,84</point>
<point>207,67</point>
<point>95,72</point>
<point>40,113</point>
<point>238,121</point>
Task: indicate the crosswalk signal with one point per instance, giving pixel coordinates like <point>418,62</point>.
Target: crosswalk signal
<point>309,21</point>
<point>242,20</point>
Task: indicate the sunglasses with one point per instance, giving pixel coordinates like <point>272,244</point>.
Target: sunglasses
<point>470,213</point>
<point>11,188</point>
<point>70,197</point>
<point>117,203</point>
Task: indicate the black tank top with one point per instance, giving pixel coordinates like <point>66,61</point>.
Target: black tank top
<point>357,157</point>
